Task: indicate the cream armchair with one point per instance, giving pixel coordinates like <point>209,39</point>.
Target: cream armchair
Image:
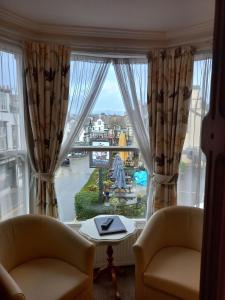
<point>42,259</point>
<point>168,255</point>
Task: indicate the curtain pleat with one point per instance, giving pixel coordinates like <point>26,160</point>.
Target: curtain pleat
<point>132,79</point>
<point>169,93</point>
<point>86,81</point>
<point>191,181</point>
<point>47,89</point>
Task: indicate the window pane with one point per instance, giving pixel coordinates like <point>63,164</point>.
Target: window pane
<point>191,181</point>
<point>13,165</point>
<point>3,136</point>
<point>84,183</point>
<point>12,187</point>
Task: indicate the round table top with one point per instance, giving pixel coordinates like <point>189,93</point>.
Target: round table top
<point>89,230</point>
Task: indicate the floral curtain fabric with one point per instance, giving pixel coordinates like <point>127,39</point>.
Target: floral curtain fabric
<point>47,89</point>
<point>169,93</point>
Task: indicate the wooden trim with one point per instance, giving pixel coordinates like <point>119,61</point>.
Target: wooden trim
<point>213,144</point>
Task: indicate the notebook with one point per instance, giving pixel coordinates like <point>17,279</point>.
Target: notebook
<point>116,226</point>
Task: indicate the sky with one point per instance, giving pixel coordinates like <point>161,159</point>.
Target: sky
<point>201,69</point>
<point>109,99</point>
<point>8,71</point>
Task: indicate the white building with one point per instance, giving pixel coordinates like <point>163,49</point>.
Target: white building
<point>9,121</point>
<point>196,114</point>
<point>99,126</point>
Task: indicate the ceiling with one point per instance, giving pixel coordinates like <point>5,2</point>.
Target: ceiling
<point>146,15</point>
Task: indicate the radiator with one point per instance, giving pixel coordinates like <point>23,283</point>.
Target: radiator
<point>122,252</point>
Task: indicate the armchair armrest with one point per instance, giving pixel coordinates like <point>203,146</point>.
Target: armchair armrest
<point>9,290</point>
<point>149,242</point>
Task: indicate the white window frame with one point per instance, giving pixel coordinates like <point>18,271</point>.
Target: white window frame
<point>22,153</point>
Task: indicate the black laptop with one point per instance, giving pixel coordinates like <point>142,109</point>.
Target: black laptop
<point>115,226</point>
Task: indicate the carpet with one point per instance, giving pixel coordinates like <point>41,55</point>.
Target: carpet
<point>103,289</point>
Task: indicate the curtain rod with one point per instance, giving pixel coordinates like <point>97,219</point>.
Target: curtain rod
<point>201,50</point>
<point>108,55</point>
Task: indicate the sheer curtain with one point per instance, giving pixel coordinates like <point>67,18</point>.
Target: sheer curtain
<point>191,179</point>
<point>13,162</point>
<point>132,78</point>
<point>87,75</point>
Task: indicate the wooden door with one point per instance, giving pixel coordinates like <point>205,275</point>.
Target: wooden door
<point>213,145</point>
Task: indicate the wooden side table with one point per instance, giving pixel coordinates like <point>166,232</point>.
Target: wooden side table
<point>89,230</point>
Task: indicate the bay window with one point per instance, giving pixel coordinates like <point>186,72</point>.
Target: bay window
<point>101,128</point>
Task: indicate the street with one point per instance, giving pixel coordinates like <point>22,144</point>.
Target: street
<point>68,181</point>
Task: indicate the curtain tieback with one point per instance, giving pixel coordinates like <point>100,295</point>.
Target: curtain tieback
<point>164,179</point>
<point>46,177</point>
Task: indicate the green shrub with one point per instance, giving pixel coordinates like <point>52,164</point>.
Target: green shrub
<point>87,201</point>
<point>92,188</point>
<point>87,206</point>
<point>93,179</point>
<point>108,182</point>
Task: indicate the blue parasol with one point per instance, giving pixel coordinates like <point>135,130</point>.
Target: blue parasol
<point>116,163</point>
<point>120,181</point>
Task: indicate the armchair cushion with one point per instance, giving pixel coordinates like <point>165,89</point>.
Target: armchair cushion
<point>49,279</point>
<point>176,271</point>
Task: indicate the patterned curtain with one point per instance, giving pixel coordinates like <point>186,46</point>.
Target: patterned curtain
<point>47,87</point>
<point>169,93</point>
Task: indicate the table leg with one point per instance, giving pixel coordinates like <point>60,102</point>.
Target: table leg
<point>112,270</point>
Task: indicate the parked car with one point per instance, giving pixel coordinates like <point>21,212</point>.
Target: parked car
<point>66,162</point>
<point>77,154</point>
